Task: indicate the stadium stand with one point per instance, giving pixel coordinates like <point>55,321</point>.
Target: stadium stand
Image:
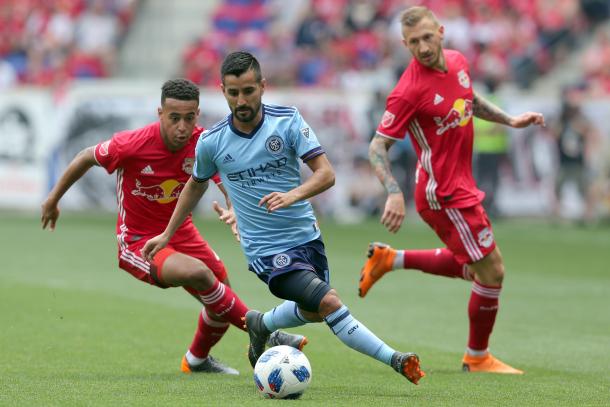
<point>46,42</point>
<point>507,40</point>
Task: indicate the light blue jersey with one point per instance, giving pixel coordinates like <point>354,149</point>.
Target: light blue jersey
<point>256,164</point>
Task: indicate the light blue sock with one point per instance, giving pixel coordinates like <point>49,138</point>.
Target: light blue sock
<point>285,315</point>
<point>354,334</point>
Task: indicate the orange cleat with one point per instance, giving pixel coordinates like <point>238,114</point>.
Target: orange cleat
<point>407,364</point>
<point>381,260</point>
<point>487,364</point>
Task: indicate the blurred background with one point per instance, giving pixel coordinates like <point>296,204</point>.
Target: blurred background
<point>73,72</point>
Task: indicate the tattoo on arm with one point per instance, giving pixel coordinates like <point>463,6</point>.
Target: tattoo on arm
<point>380,161</point>
<point>486,110</point>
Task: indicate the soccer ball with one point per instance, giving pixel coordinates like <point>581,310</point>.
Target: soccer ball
<point>282,372</point>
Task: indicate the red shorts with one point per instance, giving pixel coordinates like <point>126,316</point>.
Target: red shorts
<point>187,242</point>
<point>465,231</point>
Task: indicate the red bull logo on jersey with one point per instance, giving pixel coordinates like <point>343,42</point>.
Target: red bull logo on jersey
<point>166,192</point>
<point>459,115</point>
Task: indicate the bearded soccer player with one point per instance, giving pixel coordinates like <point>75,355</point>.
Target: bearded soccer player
<point>434,103</point>
<point>256,151</point>
<point>153,164</point>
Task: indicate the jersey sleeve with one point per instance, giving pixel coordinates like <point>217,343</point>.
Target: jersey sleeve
<point>395,120</point>
<point>204,167</point>
<point>303,139</point>
<point>109,153</point>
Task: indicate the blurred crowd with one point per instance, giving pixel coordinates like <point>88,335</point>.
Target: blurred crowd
<point>343,43</point>
<point>330,43</point>
<point>46,42</point>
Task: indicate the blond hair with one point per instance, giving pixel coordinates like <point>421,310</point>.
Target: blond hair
<point>413,15</point>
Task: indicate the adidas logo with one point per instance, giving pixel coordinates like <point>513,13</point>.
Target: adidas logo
<point>228,159</point>
<point>147,170</point>
<point>438,99</point>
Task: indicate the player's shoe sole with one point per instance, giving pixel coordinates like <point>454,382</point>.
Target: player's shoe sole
<point>487,364</point>
<point>380,261</point>
<point>209,365</point>
<point>407,364</point>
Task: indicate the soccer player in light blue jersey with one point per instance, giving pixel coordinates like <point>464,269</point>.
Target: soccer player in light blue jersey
<point>256,151</point>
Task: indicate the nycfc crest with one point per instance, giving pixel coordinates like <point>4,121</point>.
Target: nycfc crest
<point>281,260</point>
<point>275,145</point>
<point>187,165</point>
<point>464,79</point>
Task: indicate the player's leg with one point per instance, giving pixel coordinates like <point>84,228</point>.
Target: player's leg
<point>317,301</point>
<point>132,262</point>
<point>174,269</point>
<point>302,278</point>
<point>382,259</point>
<point>482,310</point>
<point>210,327</point>
<point>468,234</point>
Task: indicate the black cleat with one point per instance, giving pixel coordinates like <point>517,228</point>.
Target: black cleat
<point>284,338</point>
<point>259,335</point>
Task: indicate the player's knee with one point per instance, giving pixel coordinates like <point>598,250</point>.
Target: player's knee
<point>330,303</point>
<point>198,276</point>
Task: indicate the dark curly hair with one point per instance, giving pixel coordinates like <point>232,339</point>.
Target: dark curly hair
<point>181,89</point>
<point>237,63</point>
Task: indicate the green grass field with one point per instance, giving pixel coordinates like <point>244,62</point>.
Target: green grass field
<point>77,330</point>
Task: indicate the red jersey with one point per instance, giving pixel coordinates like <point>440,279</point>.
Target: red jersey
<point>149,179</point>
<point>435,109</point>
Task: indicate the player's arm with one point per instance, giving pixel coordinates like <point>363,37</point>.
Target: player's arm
<point>322,178</point>
<point>83,161</point>
<point>484,109</point>
<point>226,215</point>
<point>394,210</point>
<point>190,195</point>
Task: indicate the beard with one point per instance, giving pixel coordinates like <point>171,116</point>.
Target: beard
<point>245,114</point>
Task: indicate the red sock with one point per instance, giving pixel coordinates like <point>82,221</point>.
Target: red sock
<point>482,310</point>
<point>435,261</point>
<point>209,332</point>
<point>222,301</point>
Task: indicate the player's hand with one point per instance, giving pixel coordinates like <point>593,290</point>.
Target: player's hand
<point>527,119</point>
<point>152,247</point>
<point>277,200</point>
<point>394,212</point>
<point>227,216</point>
<point>50,214</point>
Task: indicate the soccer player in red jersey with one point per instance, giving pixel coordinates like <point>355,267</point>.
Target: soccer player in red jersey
<point>434,103</point>
<point>152,164</point>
